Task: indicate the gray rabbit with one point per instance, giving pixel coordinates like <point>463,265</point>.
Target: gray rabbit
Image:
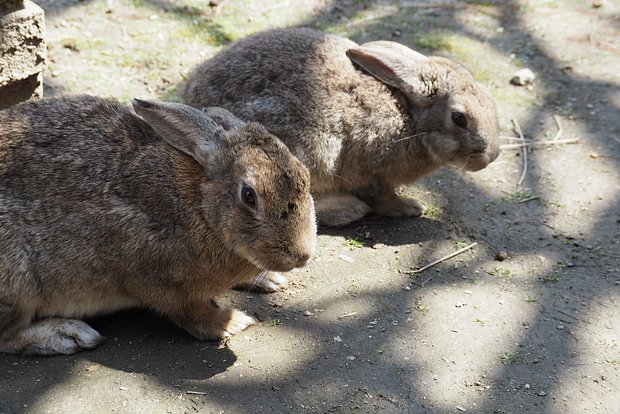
<point>363,119</point>
<point>102,209</point>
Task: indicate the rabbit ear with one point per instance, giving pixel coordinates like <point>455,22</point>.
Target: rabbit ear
<point>393,64</point>
<point>409,54</point>
<point>224,118</point>
<point>183,127</point>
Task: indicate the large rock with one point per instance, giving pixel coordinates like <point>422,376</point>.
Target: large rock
<point>22,51</point>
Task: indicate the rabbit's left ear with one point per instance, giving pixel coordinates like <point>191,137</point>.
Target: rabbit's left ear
<point>395,65</point>
<point>187,129</point>
<point>223,117</point>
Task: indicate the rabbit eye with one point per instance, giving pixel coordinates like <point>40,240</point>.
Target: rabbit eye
<point>459,119</point>
<point>248,196</point>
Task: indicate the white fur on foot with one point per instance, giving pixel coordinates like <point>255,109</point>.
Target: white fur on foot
<point>55,336</point>
<point>238,322</point>
<point>266,282</point>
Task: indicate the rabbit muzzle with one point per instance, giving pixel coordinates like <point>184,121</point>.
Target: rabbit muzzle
<point>479,160</point>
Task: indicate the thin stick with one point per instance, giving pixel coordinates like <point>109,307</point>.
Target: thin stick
<point>509,138</point>
<point>443,259</point>
<point>347,315</point>
<point>560,129</point>
<point>540,143</point>
<point>525,200</point>
<point>196,392</point>
<point>523,151</point>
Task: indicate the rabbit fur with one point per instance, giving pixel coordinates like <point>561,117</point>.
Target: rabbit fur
<point>102,209</point>
<point>363,119</point>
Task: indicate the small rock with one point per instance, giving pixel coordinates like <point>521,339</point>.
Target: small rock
<point>308,313</point>
<point>337,339</point>
<point>396,33</point>
<point>542,393</point>
<point>523,77</point>
<point>501,255</point>
<point>458,407</point>
<point>526,386</point>
<point>351,357</point>
<point>378,246</point>
<point>560,327</point>
<point>598,3</point>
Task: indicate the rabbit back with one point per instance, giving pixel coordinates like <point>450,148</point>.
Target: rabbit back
<point>302,86</point>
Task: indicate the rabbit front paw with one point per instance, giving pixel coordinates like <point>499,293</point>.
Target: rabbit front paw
<point>215,323</point>
<point>395,206</point>
<point>265,282</point>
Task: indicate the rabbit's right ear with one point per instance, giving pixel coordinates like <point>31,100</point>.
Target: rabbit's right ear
<point>395,65</point>
<point>183,127</point>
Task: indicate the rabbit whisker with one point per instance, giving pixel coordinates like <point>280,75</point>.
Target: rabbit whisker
<point>409,137</point>
<point>342,178</point>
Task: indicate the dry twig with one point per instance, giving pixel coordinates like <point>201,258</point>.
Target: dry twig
<point>523,150</point>
<point>525,200</point>
<point>443,259</point>
<point>196,392</point>
<point>531,144</point>
<point>560,129</point>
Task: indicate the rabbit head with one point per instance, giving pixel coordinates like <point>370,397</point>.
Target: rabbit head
<point>454,116</point>
<point>256,195</point>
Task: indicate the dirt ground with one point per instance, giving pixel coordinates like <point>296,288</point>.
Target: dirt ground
<point>356,331</point>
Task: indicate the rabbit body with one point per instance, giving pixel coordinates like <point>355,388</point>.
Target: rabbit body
<point>363,119</point>
<point>99,213</point>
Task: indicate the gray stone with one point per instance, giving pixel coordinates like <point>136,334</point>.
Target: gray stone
<point>22,51</point>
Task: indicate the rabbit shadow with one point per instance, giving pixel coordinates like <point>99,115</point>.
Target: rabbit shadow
<point>141,341</point>
<point>390,231</point>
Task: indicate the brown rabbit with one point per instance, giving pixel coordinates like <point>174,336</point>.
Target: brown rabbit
<point>102,209</point>
<point>363,119</point>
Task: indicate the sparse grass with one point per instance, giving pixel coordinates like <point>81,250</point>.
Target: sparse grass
<point>529,299</point>
<point>474,280</point>
<point>479,321</point>
<point>275,322</point>
<point>502,271</point>
<point>352,243</point>
<point>459,244</point>
<point>518,196</point>
<point>613,360</point>
<point>551,277</point>
<point>421,307</point>
<point>432,211</point>
<point>508,358</point>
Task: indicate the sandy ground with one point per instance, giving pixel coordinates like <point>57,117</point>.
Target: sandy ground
<point>356,331</point>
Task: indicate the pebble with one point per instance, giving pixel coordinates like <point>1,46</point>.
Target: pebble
<point>523,77</point>
<point>501,255</point>
<point>308,313</point>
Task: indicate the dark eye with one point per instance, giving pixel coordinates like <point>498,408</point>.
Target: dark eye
<point>248,196</point>
<point>459,119</point>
